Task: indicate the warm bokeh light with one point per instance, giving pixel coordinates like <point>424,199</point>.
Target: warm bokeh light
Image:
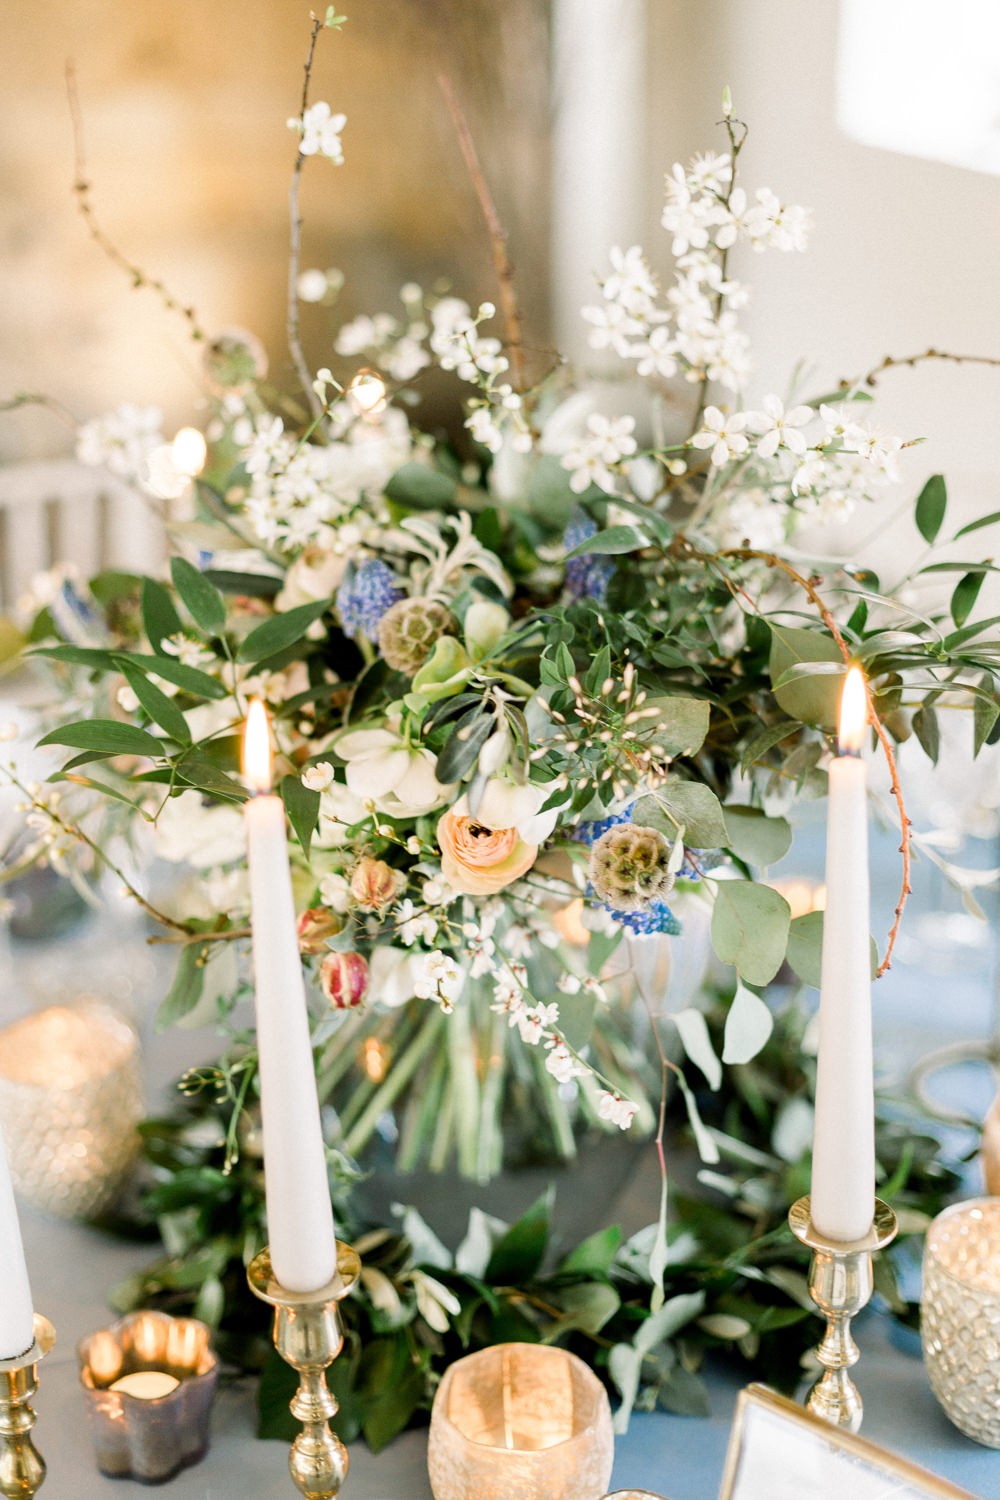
<point>105,1358</point>
<point>147,1385</point>
<point>257,758</point>
<point>188,451</point>
<point>163,476</point>
<point>853,713</point>
<point>803,896</point>
<point>367,394</point>
<point>568,922</point>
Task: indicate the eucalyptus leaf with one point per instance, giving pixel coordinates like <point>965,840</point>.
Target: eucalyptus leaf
<point>748,1026</point>
<point>805,947</point>
<point>750,928</point>
<point>420,486</point>
<point>810,699</point>
<point>587,1306</point>
<point>185,991</point>
<point>689,805</point>
<point>755,837</point>
<point>680,726</point>
<point>613,541</point>
<point>693,1030</point>
<point>625,1368</point>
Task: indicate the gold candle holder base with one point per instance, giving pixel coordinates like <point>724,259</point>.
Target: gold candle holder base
<point>309,1334</point>
<point>22,1468</point>
<point>840,1284</point>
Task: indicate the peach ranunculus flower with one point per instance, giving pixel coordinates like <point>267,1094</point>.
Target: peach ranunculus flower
<point>477,860</point>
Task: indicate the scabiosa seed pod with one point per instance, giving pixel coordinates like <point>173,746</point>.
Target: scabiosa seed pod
<point>365,595</point>
<point>630,867</point>
<point>408,630</point>
<point>344,977</point>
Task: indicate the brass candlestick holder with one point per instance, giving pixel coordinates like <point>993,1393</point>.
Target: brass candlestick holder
<point>22,1468</point>
<point>308,1334</point>
<point>840,1284</point>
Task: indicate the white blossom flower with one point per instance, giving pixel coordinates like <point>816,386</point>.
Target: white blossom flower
<point>126,699</point>
<point>320,130</point>
<point>561,1063</point>
<point>335,892</point>
<point>438,978</point>
<point>619,1111</point>
<point>723,434</point>
<point>121,440</point>
<point>312,285</point>
<point>754,519</point>
<point>414,925</point>
<point>609,441</point>
<point>398,777</point>
<point>631,282</point>
<point>318,778</point>
<point>534,1021</point>
<point>778,428</point>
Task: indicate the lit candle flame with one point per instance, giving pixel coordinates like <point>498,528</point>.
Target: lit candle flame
<point>257,756</point>
<point>367,394</point>
<point>853,713</point>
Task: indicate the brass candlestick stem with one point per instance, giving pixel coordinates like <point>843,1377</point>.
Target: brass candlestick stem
<point>22,1468</point>
<point>840,1284</point>
<point>308,1334</point>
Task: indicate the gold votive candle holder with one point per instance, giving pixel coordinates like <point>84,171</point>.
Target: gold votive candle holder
<point>520,1419</point>
<point>148,1437</point>
<point>960,1316</point>
<point>70,1100</point>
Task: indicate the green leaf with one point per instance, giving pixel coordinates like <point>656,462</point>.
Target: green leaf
<point>78,656</point>
<point>421,487</point>
<point>625,1367</point>
<point>518,1255</point>
<point>159,617</point>
<point>161,709</point>
<point>805,948</point>
<point>755,837</point>
<point>931,505</point>
<point>614,540</point>
<point>811,700</point>
<point>927,731</point>
<point>674,1315</point>
<point>199,772</point>
<point>985,713</point>
<point>107,736</point>
<point>684,1393</point>
<point>189,679</point>
<point>595,1255</point>
<point>750,929</point>
<point>281,631</point>
<point>681,725</point>
<point>302,807</point>
<point>202,599</point>
<point>679,803</point>
<point>185,992</point>
<point>587,1306</point>
<point>990,520</point>
<point>549,494</point>
<point>748,1026</point>
<point>965,594</point>
<point>766,740</point>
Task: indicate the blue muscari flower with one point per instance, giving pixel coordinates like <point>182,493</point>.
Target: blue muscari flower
<point>589,833</point>
<point>587,577</point>
<point>365,595</point>
<point>655,918</point>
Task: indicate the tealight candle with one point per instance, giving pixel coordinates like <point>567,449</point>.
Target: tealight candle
<point>842,1196</point>
<point>299,1213</point>
<point>147,1385</point>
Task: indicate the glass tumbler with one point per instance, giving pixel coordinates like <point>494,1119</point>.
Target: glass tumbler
<point>960,1316</point>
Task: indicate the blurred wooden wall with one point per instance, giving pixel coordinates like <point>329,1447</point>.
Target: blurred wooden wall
<point>184,106</point>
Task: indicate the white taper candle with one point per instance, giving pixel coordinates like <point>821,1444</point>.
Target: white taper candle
<point>16,1312</point>
<point>299,1214</point>
<point>843,1167</point>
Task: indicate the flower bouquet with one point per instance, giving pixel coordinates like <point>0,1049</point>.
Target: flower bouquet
<point>543,693</point>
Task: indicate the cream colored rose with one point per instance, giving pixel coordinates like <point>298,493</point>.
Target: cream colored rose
<point>479,861</point>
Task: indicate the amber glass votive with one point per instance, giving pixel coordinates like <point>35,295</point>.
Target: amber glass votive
<point>524,1420</point>
<point>148,1437</point>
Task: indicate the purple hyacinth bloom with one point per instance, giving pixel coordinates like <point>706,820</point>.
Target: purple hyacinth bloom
<point>587,577</point>
<point>365,595</point>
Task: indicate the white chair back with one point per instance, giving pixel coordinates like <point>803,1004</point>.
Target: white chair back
<point>63,511</point>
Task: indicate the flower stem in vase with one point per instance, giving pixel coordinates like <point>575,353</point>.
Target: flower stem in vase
<point>490,1153</point>
<point>441,1144</point>
<point>464,1059</point>
<point>399,1075</point>
<point>423,1110</point>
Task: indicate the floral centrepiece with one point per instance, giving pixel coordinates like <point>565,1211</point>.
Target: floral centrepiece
<point>579,661</point>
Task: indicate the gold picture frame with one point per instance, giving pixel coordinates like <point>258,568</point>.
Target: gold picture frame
<point>779,1451</point>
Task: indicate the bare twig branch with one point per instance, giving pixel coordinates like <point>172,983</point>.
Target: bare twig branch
<point>509,309</point>
<point>295,231</point>
<point>32,398</point>
<point>81,188</point>
<point>894,362</point>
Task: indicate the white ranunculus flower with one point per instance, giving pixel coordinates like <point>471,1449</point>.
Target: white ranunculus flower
<point>399,778</point>
<point>393,974</point>
<point>510,804</point>
<point>205,837</point>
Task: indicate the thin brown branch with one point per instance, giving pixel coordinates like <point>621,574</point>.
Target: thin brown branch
<point>509,309</point>
<point>812,593</point>
<point>32,398</point>
<point>894,362</point>
<point>295,243</point>
<point>81,188</point>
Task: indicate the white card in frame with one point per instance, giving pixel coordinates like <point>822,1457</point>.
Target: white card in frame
<point>778,1451</point>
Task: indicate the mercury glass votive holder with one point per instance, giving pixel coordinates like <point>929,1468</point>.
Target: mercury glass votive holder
<point>960,1316</point>
<point>70,1101</point>
<point>520,1422</point>
<point>148,1438</point>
